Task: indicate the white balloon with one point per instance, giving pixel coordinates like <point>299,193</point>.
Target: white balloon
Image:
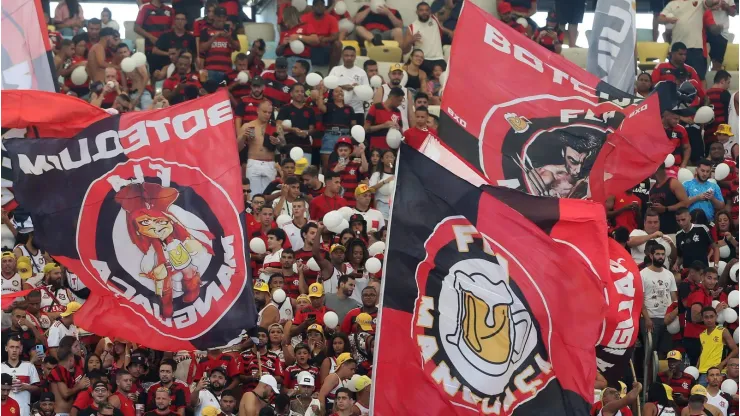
<point>346,25</point>
<point>331,82</point>
<point>721,171</point>
<point>721,267</point>
<point>346,212</point>
<point>296,153</point>
<point>736,336</point>
<point>733,299</point>
<point>373,265</point>
<point>394,138</point>
<point>297,47</point>
<point>331,320</point>
<point>715,303</point>
<point>299,4</point>
<point>312,265</point>
<point>140,58</point>
<point>376,248</point>
<point>674,327</point>
<point>128,64</point>
<point>287,124</point>
<point>242,77</point>
<point>170,70</point>
<point>721,318</point>
<point>703,115</point>
<point>352,385</point>
<point>376,4</point>
<point>343,225</point>
<point>358,133</point>
<point>733,272</point>
<point>693,371</point>
<point>340,7</point>
<point>332,219</point>
<point>376,81</point>
<point>729,386</point>
<point>522,21</point>
<point>278,295</point>
<point>283,219</point>
<point>79,75</point>
<point>111,84</point>
<point>670,160</point>
<point>730,315</point>
<point>313,79</point>
<point>685,175</point>
<point>257,245</point>
<point>364,92</point>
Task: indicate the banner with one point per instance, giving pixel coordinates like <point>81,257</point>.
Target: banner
<point>27,63</point>
<point>473,314</point>
<point>147,209</point>
<point>611,50</point>
<point>541,124</point>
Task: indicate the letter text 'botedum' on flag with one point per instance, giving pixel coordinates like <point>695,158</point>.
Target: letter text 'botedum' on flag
<point>147,209</point>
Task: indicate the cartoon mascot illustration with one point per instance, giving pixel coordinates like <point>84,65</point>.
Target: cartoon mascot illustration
<point>169,248</point>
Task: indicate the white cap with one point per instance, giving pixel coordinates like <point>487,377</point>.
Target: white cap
<point>305,379</point>
<point>270,381</point>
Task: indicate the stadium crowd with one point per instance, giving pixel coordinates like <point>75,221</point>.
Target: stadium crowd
<point>318,158</point>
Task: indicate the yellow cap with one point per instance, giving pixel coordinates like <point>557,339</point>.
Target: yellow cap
<point>361,189</point>
<point>72,307</point>
<point>362,382</point>
<point>261,286</point>
<point>364,321</point>
<point>337,247</point>
<point>315,327</point>
<point>699,390</point>
<point>725,129</point>
<point>300,165</point>
<point>668,391</point>
<point>622,389</point>
<point>396,67</point>
<point>343,358</point>
<point>8,254</point>
<point>316,290</point>
<point>24,268</point>
<point>210,411</point>
<point>49,267</point>
<point>302,297</point>
<point>674,355</point>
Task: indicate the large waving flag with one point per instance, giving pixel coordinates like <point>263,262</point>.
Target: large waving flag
<point>528,119</point>
<point>473,314</point>
<point>611,50</point>
<point>146,208</point>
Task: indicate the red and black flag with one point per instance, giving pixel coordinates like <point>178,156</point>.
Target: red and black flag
<point>539,123</point>
<point>476,317</point>
<point>147,209</point>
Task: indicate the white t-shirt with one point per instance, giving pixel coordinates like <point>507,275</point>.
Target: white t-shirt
<point>431,38</point>
<point>75,283</point>
<point>206,398</point>
<point>270,260</point>
<point>12,285</point>
<point>286,210</point>
<point>723,19</point>
<point>373,218</point>
<point>27,374</point>
<point>690,25</point>
<point>657,287</point>
<point>294,235</point>
<point>728,145</point>
<point>59,331</point>
<point>638,252</point>
<point>349,76</point>
<point>719,401</point>
<point>383,194</point>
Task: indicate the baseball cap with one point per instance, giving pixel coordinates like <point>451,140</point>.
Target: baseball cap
<point>361,382</point>
<point>8,254</point>
<point>270,381</point>
<point>210,411</point>
<point>316,290</point>
<point>551,16</point>
<point>302,297</point>
<point>315,327</point>
<point>257,81</point>
<point>364,321</point>
<point>674,355</point>
<point>281,63</point>
<point>49,267</point>
<point>300,165</point>
<point>668,391</point>
<point>504,7</point>
<point>138,359</point>
<point>24,267</point>
<point>344,140</point>
<point>725,129</point>
<point>220,11</point>
<point>71,308</point>
<point>305,379</point>
<point>361,189</point>
<point>699,390</point>
<point>357,218</point>
<point>47,396</point>
<point>337,247</point>
<point>261,286</point>
<point>100,384</point>
<point>6,379</point>
<point>219,369</point>
<point>396,67</point>
<point>343,358</point>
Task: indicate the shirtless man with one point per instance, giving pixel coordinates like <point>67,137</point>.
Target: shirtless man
<point>258,135</point>
<point>253,401</point>
<point>139,79</point>
<point>566,180</point>
<point>66,52</point>
<point>96,63</point>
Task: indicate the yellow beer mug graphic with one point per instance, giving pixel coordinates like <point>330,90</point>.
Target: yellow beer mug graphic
<point>491,343</point>
<point>178,255</point>
<point>520,124</point>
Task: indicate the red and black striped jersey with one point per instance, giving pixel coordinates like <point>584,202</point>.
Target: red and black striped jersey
<point>252,366</point>
<point>155,20</point>
<point>719,100</point>
<point>61,375</point>
<point>176,80</point>
<point>199,26</point>
<point>179,394</point>
<point>247,109</point>
<point>240,90</point>
<point>309,275</point>
<point>218,56</point>
<point>350,178</point>
<point>277,91</point>
<point>291,375</point>
<point>290,285</point>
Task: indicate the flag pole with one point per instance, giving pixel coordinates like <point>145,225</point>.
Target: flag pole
<point>634,377</point>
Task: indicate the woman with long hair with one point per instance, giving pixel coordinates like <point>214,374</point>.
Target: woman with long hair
<point>71,343</point>
<point>93,363</point>
<point>114,353</point>
<point>106,19</point>
<point>725,235</point>
<point>278,343</point>
<point>380,181</point>
<point>345,236</point>
<point>659,403</point>
<point>295,30</point>
<point>338,120</point>
<point>356,256</point>
<point>68,17</point>
<point>416,77</point>
<point>339,344</point>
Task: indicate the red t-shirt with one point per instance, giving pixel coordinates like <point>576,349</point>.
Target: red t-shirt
<point>268,363</point>
<point>349,320</point>
<point>377,115</point>
<point>628,218</point>
<point>326,26</point>
<point>320,205</point>
<point>11,407</point>
<point>678,136</point>
<point>127,406</point>
<point>700,296</point>
<point>302,29</point>
<point>175,80</point>
<point>415,136</point>
<point>84,399</point>
<point>302,315</point>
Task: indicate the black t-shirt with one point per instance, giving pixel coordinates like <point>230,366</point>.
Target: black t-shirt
<point>90,411</point>
<point>339,117</point>
<point>642,191</point>
<point>301,118</point>
<point>170,40</point>
<point>694,245</point>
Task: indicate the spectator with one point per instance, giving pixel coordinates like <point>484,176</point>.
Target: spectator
<point>154,19</point>
<point>314,186</point>
<point>178,39</point>
<point>289,194</point>
<point>278,83</point>
<point>93,28</point>
<point>293,229</point>
<point>162,403</point>
<point>342,301</point>
<point>350,163</point>
<point>395,76</point>
<point>688,30</point>
<point>216,45</point>
<point>724,135</point>
<point>719,99</point>
<point>416,79</point>
<point>651,232</point>
<point>68,17</point>
<point>261,139</point>
<point>551,37</point>
<point>370,67</point>
<point>725,237</point>
<point>97,62</point>
<point>660,401</point>
<point>714,339</point>
<point>303,384</point>
<point>19,329</point>
<point>675,378</point>
<point>208,390</point>
<point>677,59</point>
<point>296,30</point>
<point>659,291</point>
<point>678,136</point>
<point>702,193</point>
<point>346,366</point>
<point>79,58</point>
<point>426,34</point>
<point>255,63</point>
<point>693,241</point>
<point>183,76</point>
<point>447,12</point>
<point>416,135</point>
<point>25,377</point>
<point>206,21</point>
<point>106,20</point>
<point>330,200</point>
<point>666,197</point>
<point>385,116</point>
<point>363,199</point>
<point>62,383</point>
<point>303,121</point>
<point>300,70</point>
<point>338,119</point>
<point>349,76</point>
<point>286,169</point>
<point>386,24</point>
<point>715,396</point>
<point>246,110</point>
<point>137,81</point>
<point>326,27</point>
<point>238,90</point>
<point>624,210</point>
<point>505,13</point>
<point>177,392</point>
<point>380,182</point>
<point>644,84</point>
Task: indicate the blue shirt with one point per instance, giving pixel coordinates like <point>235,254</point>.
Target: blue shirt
<point>694,188</point>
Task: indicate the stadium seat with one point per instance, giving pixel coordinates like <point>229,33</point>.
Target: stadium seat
<point>385,54</point>
<point>243,43</point>
<point>446,50</point>
<point>576,55</point>
<point>128,30</point>
<point>360,61</point>
<point>731,57</point>
<point>264,31</point>
<point>353,43</point>
<point>270,50</point>
<point>650,54</point>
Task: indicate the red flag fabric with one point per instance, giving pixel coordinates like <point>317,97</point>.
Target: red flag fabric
<point>147,209</point>
<point>473,316</point>
<point>9,298</point>
<point>539,122</point>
